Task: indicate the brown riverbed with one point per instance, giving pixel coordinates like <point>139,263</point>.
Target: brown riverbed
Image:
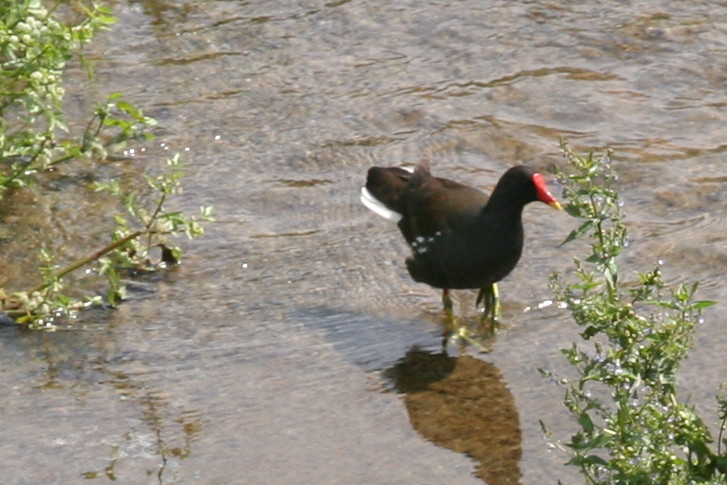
<point>291,346</point>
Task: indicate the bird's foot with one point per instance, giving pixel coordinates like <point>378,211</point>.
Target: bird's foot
<point>456,330</point>
<point>455,333</point>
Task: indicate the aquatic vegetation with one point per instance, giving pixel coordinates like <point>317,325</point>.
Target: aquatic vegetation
<point>633,426</point>
<point>35,48</point>
<point>36,45</point>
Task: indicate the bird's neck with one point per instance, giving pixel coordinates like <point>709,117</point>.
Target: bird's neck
<point>504,208</point>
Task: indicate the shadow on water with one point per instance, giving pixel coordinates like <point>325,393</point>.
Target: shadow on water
<point>463,404</point>
<point>457,402</point>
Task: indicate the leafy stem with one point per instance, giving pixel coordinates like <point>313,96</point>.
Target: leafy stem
<point>35,137</point>
<point>86,260</point>
<point>637,431</point>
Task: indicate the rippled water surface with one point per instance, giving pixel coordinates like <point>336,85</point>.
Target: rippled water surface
<point>291,346</point>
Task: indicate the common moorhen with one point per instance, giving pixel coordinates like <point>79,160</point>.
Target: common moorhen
<point>460,238</point>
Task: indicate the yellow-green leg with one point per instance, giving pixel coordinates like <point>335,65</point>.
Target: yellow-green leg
<point>447,302</point>
<point>450,323</point>
<point>489,296</point>
<point>495,301</point>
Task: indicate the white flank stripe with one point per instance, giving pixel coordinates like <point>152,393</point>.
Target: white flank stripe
<point>377,207</point>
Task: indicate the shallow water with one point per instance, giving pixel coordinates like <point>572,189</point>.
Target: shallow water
<point>291,346</point>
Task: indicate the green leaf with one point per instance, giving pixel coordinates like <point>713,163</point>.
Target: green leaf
<point>600,441</point>
<point>698,305</point>
<point>107,19</point>
<point>667,304</point>
<point>586,423</point>
<point>595,258</point>
<point>594,460</point>
<point>578,233</point>
<point>573,210</point>
<point>129,109</point>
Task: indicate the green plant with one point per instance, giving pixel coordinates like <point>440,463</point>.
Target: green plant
<point>633,428</point>
<point>35,48</point>
<point>148,228</point>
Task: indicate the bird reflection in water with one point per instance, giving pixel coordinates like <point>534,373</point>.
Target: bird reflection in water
<point>462,404</point>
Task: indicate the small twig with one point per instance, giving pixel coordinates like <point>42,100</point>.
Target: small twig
<point>88,259</point>
<point>153,217</point>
